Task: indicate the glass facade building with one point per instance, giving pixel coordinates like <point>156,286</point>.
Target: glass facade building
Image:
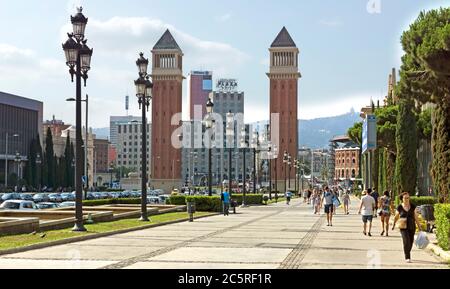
<point>20,123</point>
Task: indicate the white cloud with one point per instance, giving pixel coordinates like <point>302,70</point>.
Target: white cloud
<point>330,23</point>
<point>124,37</point>
<point>224,17</point>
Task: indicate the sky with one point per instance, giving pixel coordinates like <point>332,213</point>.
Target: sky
<point>347,49</point>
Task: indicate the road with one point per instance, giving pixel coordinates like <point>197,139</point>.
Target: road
<point>272,237</point>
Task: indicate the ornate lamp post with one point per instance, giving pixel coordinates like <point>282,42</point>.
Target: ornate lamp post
<point>244,146</point>
<point>78,58</point>
<point>275,155</point>
<point>18,160</point>
<point>290,167</point>
<point>209,125</point>
<point>285,162</point>
<point>38,171</point>
<point>256,146</point>
<point>144,88</point>
<point>230,135</point>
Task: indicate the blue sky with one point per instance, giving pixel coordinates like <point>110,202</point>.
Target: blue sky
<point>346,53</point>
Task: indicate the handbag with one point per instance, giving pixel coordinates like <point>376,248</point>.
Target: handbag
<point>402,223</point>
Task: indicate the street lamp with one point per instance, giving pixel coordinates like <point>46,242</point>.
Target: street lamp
<point>111,171</point>
<point>18,160</point>
<point>78,59</point>
<point>244,146</point>
<point>86,139</point>
<point>6,158</point>
<point>230,135</point>
<point>144,89</point>
<point>38,163</point>
<point>256,146</point>
<point>209,125</point>
<point>285,162</point>
<point>290,167</point>
<point>275,155</point>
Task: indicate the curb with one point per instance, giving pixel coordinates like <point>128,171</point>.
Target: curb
<point>439,252</point>
<point>95,236</point>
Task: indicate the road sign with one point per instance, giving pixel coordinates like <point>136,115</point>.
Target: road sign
<point>369,134</point>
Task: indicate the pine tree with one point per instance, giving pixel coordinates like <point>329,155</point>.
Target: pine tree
<point>427,63</point>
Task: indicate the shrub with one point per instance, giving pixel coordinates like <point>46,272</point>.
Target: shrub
<point>442,214</point>
<point>177,200</point>
<point>202,203</point>
<point>251,199</point>
<point>205,203</point>
<point>94,203</point>
<point>418,201</point>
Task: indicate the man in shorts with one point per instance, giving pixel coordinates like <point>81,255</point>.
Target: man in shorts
<point>327,202</point>
<point>366,210</point>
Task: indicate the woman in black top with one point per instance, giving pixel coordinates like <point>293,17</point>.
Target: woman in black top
<point>407,214</point>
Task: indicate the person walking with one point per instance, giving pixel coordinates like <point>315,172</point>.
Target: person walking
<point>316,201</point>
<point>309,197</point>
<point>376,196</point>
<point>288,197</point>
<point>226,203</point>
<point>327,202</point>
<point>305,196</point>
<point>407,219</point>
<point>366,210</point>
<point>385,212</point>
<point>346,202</point>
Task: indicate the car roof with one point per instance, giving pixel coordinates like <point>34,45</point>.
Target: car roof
<point>18,201</point>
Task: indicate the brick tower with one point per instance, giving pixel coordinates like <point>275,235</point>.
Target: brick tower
<point>167,76</point>
<point>284,76</point>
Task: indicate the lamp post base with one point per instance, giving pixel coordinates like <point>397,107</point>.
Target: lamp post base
<point>144,219</point>
<point>79,228</point>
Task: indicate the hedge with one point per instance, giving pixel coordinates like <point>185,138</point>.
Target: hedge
<point>442,215</point>
<point>93,203</point>
<point>214,204</point>
<point>251,199</point>
<point>419,201</point>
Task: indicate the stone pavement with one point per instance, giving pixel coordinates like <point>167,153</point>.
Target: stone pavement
<point>276,236</point>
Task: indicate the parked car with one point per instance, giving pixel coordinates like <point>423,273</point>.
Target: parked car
<point>1,195</point>
<point>159,192</point>
<point>18,205</point>
<point>152,200</point>
<point>26,197</point>
<point>11,196</point>
<point>163,199</point>
<point>41,198</point>
<point>98,196</point>
<point>125,195</point>
<point>45,206</point>
<point>89,196</point>
<point>67,197</point>
<point>67,204</point>
<point>55,198</point>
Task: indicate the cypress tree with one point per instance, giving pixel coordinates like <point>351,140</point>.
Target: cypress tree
<point>49,159</point>
<point>441,151</point>
<point>406,139</point>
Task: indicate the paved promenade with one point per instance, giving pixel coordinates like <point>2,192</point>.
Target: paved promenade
<point>277,236</point>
